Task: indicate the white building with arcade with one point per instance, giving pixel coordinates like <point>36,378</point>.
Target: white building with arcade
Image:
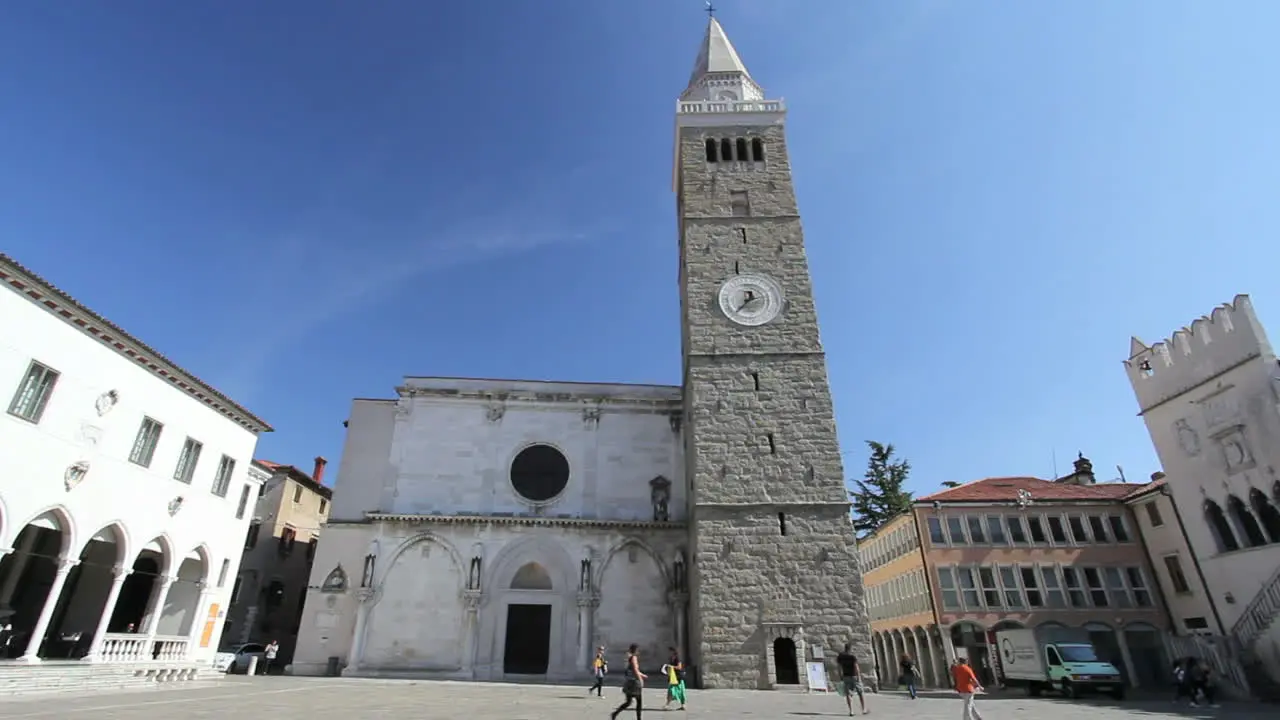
<point>126,490</point>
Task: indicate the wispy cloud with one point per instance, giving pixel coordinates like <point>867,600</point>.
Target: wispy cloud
<point>318,277</point>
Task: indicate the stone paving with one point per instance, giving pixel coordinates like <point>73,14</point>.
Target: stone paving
<point>287,698</point>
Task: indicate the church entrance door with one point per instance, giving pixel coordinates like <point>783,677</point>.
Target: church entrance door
<point>528,645</point>
<point>784,661</point>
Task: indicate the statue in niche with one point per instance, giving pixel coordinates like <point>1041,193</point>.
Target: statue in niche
<point>678,577</point>
<point>660,494</point>
<point>336,581</point>
<point>584,580</point>
<point>370,560</point>
<point>473,576</point>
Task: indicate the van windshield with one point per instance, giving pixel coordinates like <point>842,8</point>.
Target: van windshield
<point>1078,653</point>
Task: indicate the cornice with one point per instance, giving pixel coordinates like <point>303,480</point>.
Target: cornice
<point>524,521</point>
<point>523,398</point>
<point>43,293</point>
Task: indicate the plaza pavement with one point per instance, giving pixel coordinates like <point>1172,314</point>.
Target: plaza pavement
<point>288,698</point>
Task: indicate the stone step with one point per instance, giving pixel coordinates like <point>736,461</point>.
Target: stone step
<point>55,677</point>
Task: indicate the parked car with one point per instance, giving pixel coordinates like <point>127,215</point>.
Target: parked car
<point>236,659</point>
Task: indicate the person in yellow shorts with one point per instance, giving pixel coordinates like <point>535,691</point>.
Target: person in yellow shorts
<point>674,670</point>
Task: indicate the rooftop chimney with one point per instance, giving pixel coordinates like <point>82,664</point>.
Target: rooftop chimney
<point>318,473</point>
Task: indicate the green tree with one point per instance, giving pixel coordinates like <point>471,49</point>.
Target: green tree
<point>879,496</point>
<point>950,484</point>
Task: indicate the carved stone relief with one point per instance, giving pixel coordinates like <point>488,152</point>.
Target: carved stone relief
<point>494,411</point>
<point>660,494</point>
<point>175,505</point>
<point>75,474</point>
<point>90,435</point>
<point>105,402</point>
<point>1188,440</point>
<point>1219,409</point>
<point>591,416</point>
<point>1235,449</point>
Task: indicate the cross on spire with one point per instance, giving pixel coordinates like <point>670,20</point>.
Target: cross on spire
<point>711,9</point>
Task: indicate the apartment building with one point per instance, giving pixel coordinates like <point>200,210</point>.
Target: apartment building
<point>1017,552</point>
<point>269,592</point>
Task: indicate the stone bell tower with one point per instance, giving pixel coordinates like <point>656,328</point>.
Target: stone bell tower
<point>775,566</point>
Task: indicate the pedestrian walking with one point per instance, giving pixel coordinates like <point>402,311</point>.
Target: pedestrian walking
<point>968,686</point>
<point>851,679</point>
<point>269,655</point>
<point>908,675</point>
<point>599,668</point>
<point>632,683</point>
<point>674,670</point>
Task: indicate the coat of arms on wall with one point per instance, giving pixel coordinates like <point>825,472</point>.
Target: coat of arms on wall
<point>1188,440</point>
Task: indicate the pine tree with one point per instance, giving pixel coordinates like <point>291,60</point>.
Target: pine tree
<point>950,484</point>
<point>880,497</point>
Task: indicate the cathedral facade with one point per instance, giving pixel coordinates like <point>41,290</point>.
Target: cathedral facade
<point>486,529</point>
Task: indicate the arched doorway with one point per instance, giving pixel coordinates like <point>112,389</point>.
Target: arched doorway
<point>31,581</point>
<point>85,595</point>
<point>1150,663</point>
<point>970,641</point>
<point>786,671</point>
<point>1107,644</point>
<point>527,648</point>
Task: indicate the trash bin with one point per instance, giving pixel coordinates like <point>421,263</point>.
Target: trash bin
<point>332,669</point>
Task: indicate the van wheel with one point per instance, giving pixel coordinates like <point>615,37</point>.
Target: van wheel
<point>1033,689</point>
<point>1069,689</point>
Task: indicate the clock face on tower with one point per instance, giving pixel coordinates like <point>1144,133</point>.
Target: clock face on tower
<point>751,299</point>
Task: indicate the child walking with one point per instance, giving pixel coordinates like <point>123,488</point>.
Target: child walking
<point>675,679</point>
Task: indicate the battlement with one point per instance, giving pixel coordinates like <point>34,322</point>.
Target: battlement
<point>1213,344</point>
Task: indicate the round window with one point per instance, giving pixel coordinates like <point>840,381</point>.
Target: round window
<point>539,473</point>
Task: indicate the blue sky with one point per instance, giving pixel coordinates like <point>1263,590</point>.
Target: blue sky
<point>302,202</point>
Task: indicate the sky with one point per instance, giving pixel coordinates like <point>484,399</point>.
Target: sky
<point>304,202</point>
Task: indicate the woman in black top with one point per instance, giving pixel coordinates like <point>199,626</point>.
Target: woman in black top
<point>632,683</point>
<point>908,675</point>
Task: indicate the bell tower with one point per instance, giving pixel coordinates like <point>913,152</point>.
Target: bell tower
<point>775,565</point>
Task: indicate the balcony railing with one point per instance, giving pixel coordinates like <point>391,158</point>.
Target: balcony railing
<point>727,106</point>
<point>132,648</point>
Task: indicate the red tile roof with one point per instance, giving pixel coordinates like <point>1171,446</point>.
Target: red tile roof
<point>1005,489</point>
<point>298,475</point>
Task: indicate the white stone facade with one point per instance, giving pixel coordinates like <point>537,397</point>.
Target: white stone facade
<point>112,552</point>
<point>430,546</point>
<point>1210,397</point>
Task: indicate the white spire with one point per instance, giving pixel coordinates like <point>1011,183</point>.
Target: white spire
<point>718,73</point>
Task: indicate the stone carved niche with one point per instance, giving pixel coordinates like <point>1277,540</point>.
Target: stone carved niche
<point>335,581</point>
<point>677,420</point>
<point>584,576</point>
<point>474,573</point>
<point>370,561</point>
<point>74,475</point>
<point>494,411</point>
<point>679,577</point>
<point>660,495</point>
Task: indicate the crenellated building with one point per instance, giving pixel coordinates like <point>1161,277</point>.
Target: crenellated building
<point>1210,398</point>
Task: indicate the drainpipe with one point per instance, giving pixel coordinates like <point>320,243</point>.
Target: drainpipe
<point>1195,560</point>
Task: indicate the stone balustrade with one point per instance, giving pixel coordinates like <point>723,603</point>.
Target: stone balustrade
<point>123,648</point>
